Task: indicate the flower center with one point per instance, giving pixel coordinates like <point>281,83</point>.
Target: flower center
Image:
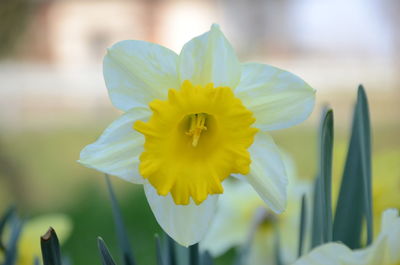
<point>194,140</point>
<point>197,125</point>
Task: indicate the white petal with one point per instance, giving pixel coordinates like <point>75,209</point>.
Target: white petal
<point>223,235</point>
<point>209,58</point>
<point>186,224</point>
<point>329,254</point>
<point>277,98</point>
<point>267,172</point>
<point>391,228</point>
<point>385,248</point>
<point>234,218</point>
<point>137,72</point>
<point>389,219</point>
<point>117,150</point>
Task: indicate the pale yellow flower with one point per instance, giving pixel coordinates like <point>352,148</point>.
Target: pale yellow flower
<point>29,240</point>
<point>190,122</point>
<point>243,218</point>
<point>385,250</point>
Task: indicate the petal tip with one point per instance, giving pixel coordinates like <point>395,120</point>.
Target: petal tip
<point>280,208</point>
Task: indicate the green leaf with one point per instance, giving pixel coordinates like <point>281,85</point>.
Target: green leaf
<point>317,214</point>
<point>12,246</point>
<point>302,227</point>
<point>182,254</point>
<point>171,250</point>
<point>277,249</point>
<point>326,152</point>
<point>322,202</point>
<point>171,253</point>
<point>206,258</point>
<point>194,257</point>
<point>174,253</point>
<point>3,221</point>
<point>106,258</point>
<point>354,203</point>
<point>365,149</point>
<point>50,248</point>
<point>161,255</point>
<point>120,227</point>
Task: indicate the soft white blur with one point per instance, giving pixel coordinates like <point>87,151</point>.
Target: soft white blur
<point>333,45</point>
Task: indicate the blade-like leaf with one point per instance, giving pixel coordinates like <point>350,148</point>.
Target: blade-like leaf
<point>12,246</point>
<point>365,150</point>
<point>106,258</point>
<point>120,227</point>
<point>277,249</point>
<point>326,151</point>
<point>194,257</point>
<point>171,250</point>
<point>51,253</point>
<point>322,205</point>
<point>317,215</point>
<point>302,226</point>
<point>206,259</point>
<point>354,202</point>
<point>161,259</point>
<point>3,220</point>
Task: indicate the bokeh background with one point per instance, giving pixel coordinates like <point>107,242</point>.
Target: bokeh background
<point>53,100</point>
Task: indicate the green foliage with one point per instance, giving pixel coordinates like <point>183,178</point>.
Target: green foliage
<point>105,255</point>
<point>325,173</point>
<point>120,227</point>
<point>51,252</point>
<point>354,203</point>
<point>278,258</point>
<point>4,219</point>
<point>161,260</point>
<point>322,208</point>
<point>194,255</point>
<point>302,227</point>
<point>11,248</point>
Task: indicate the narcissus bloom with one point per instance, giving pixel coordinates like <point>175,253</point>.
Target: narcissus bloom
<point>383,251</point>
<point>253,224</point>
<point>191,120</point>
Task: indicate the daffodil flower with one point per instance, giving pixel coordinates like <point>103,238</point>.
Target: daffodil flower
<point>383,251</point>
<point>253,224</point>
<point>191,120</point>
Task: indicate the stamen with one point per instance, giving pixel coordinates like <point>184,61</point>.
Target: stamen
<point>197,125</point>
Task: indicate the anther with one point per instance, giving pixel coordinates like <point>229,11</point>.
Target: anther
<point>197,125</point>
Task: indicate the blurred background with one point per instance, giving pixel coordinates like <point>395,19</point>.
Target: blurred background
<point>53,100</point>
